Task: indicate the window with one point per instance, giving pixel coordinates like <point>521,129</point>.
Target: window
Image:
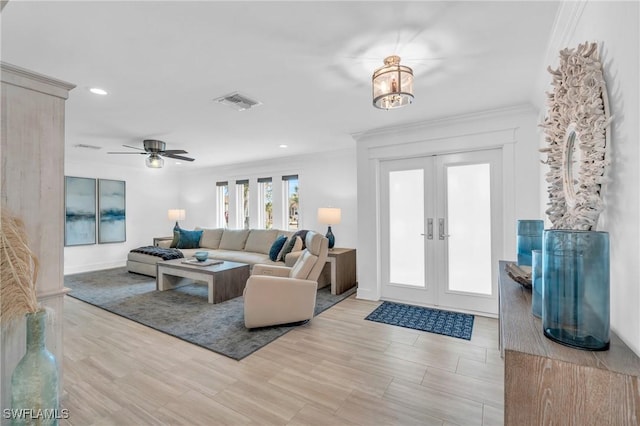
<point>242,201</point>
<point>291,202</point>
<point>265,198</point>
<point>222,204</point>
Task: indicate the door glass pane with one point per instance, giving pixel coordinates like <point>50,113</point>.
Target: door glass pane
<point>469,228</point>
<point>406,223</point>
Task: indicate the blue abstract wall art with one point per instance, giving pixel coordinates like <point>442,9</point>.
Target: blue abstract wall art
<point>80,211</point>
<point>112,211</point>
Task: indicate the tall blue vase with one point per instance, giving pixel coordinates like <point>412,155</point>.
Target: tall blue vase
<point>529,237</point>
<point>575,309</point>
<point>34,382</point>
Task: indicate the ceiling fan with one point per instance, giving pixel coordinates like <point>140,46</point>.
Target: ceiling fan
<point>155,150</point>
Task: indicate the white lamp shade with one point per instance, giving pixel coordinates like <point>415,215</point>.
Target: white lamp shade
<point>176,214</point>
<point>329,215</point>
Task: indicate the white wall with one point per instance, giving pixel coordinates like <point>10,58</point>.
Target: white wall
<point>514,129</point>
<point>615,26</point>
<point>150,193</point>
<point>326,179</point>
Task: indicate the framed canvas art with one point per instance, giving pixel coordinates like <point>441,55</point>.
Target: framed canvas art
<point>111,211</point>
<point>80,211</point>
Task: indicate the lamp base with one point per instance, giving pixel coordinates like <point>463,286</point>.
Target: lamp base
<point>176,227</point>
<point>330,237</point>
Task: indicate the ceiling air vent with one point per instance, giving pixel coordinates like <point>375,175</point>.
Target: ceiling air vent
<point>85,146</point>
<point>237,101</point>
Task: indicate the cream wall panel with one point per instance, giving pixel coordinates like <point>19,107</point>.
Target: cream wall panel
<point>32,152</point>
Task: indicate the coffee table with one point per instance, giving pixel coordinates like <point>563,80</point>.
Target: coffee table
<point>226,280</point>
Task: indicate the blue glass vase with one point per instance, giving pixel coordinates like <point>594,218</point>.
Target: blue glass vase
<point>536,283</point>
<point>331,238</point>
<point>34,382</point>
<point>529,238</point>
<point>575,310</point>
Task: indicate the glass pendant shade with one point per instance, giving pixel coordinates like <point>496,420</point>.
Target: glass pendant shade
<point>392,84</point>
<point>154,161</point>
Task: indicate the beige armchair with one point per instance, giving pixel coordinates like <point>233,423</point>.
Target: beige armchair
<point>280,294</point>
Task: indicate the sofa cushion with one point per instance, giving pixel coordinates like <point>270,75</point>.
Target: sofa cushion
<point>303,266</point>
<point>234,239</point>
<point>313,242</point>
<point>241,256</point>
<point>211,238</point>
<point>189,239</point>
<point>276,247</point>
<point>260,240</point>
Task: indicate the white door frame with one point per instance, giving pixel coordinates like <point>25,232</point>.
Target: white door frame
<point>435,291</point>
<point>502,138</point>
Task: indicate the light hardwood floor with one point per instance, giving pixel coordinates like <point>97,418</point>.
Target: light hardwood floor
<point>337,370</point>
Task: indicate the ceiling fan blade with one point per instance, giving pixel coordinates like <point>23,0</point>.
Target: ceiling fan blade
<point>143,153</point>
<point>177,157</point>
<point>174,151</point>
<point>134,147</point>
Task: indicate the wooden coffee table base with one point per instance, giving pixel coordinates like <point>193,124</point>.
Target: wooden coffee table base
<point>225,280</point>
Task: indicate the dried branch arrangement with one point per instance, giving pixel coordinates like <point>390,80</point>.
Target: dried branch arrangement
<point>18,271</point>
<point>579,105</point>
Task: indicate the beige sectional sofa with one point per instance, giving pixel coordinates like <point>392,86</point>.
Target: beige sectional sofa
<point>250,246</point>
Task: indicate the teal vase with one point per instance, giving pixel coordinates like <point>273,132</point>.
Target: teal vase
<point>575,288</point>
<point>529,238</point>
<point>34,382</point>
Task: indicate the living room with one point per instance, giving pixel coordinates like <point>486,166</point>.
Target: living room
<point>343,170</point>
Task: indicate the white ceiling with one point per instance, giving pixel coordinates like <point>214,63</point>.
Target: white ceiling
<point>309,63</point>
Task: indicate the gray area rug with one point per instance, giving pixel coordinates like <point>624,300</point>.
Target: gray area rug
<point>183,312</point>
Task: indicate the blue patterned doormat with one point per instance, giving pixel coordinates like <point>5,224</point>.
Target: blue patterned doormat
<point>452,324</point>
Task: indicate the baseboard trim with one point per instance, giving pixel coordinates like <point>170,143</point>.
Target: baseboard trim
<point>70,270</point>
<point>367,294</point>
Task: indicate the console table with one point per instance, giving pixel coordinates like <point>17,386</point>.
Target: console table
<point>340,270</point>
<point>548,383</point>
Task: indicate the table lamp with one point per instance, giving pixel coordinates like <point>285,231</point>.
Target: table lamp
<point>329,216</point>
<point>176,214</point>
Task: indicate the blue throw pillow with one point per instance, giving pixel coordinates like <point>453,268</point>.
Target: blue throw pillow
<point>176,238</point>
<point>276,247</point>
<point>189,239</point>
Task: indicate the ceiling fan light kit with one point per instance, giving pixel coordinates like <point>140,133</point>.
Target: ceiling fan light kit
<point>392,84</point>
<point>154,161</point>
<point>155,150</point>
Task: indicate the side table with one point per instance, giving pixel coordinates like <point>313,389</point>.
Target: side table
<point>341,269</point>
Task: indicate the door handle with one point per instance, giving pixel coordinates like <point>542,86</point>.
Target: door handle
<point>441,233</point>
<point>430,228</point>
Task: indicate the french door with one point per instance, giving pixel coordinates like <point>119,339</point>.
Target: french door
<point>441,222</point>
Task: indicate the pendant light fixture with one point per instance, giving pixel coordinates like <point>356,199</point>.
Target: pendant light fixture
<point>392,84</point>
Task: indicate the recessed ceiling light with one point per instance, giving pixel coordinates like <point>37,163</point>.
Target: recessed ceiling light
<point>283,146</point>
<point>178,163</point>
<point>98,91</point>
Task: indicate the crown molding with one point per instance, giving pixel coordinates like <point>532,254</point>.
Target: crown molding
<point>564,27</point>
<point>22,77</point>
<point>443,121</point>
